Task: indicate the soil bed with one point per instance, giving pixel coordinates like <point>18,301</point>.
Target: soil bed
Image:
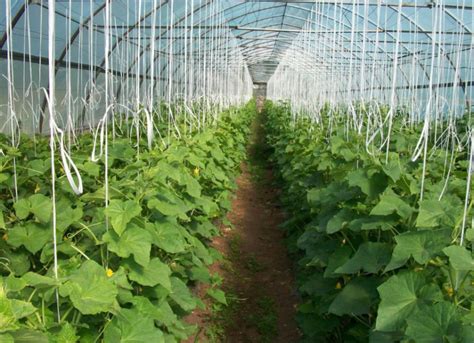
<point>257,272</point>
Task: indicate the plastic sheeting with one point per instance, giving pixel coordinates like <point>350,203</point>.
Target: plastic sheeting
<point>318,51</point>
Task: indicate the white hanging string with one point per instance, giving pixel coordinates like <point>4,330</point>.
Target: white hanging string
<point>149,109</point>
<point>51,108</point>
<point>213,80</point>
<point>397,58</point>
<point>468,186</point>
<point>108,107</point>
<point>11,115</point>
<point>393,92</point>
<point>422,145</point>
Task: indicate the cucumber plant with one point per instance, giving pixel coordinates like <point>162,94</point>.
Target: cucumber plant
<point>124,270</point>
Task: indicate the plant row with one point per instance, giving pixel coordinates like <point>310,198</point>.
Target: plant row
<point>375,262</point>
<point>125,270</point>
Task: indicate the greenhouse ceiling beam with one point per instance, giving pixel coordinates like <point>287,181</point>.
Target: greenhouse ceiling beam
<point>306,20</point>
<point>340,51</point>
<point>340,55</point>
<point>461,84</point>
<point>81,25</point>
<point>435,43</point>
<point>273,38</point>
<point>116,44</point>
<point>292,39</point>
<point>269,10</point>
<point>14,21</point>
<point>404,44</point>
<point>276,38</point>
<point>371,41</point>
<point>424,4</point>
<point>351,10</point>
<point>391,6</point>
<point>147,47</point>
<point>459,21</point>
<point>198,38</point>
<point>375,23</point>
<point>42,60</point>
<point>381,30</point>
<point>275,50</point>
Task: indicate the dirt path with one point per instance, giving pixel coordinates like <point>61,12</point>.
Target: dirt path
<point>257,273</point>
<point>262,277</point>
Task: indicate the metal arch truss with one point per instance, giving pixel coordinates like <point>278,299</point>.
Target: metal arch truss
<point>265,31</point>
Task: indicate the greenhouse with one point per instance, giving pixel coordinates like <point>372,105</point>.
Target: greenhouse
<point>236,171</point>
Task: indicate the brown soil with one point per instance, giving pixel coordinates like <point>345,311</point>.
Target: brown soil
<point>257,272</point>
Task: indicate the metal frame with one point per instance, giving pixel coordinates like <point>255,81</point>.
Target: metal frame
<point>275,45</point>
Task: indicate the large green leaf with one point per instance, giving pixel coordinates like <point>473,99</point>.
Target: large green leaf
<point>22,208</point>
<point>193,187</point>
<point>32,236</point>
<point>38,204</point>
<point>6,338</point>
<point>38,281</point>
<point>89,289</point>
<point>13,284</point>
<point>200,250</point>
<point>67,334</point>
<point>181,295</point>
<point>8,321</point>
<point>168,204</point>
<point>340,256</point>
<point>129,326</point>
<point>18,261</point>
<point>29,336</point>
<point>121,150</point>
<point>22,308</point>
<point>121,213</point>
<point>92,169</point>
<point>339,221</point>
<point>422,245</point>
<point>158,311</point>
<point>370,257</point>
<point>167,236</point>
<point>368,223</point>
<point>402,295</point>
<point>369,183</point>
<point>437,323</point>
<point>434,213</point>
<point>218,295</point>
<point>205,229</point>
<point>4,177</point>
<point>2,220</point>
<point>67,215</point>
<point>330,195</point>
<point>11,310</point>
<point>393,168</point>
<point>38,167</point>
<point>41,207</point>
<point>459,257</point>
<point>356,297</point>
<point>134,241</point>
<point>391,203</point>
<point>154,273</point>
<point>200,274</point>
<point>316,285</point>
<point>209,207</point>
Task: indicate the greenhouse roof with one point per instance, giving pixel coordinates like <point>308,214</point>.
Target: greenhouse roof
<point>164,40</point>
<point>263,29</point>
